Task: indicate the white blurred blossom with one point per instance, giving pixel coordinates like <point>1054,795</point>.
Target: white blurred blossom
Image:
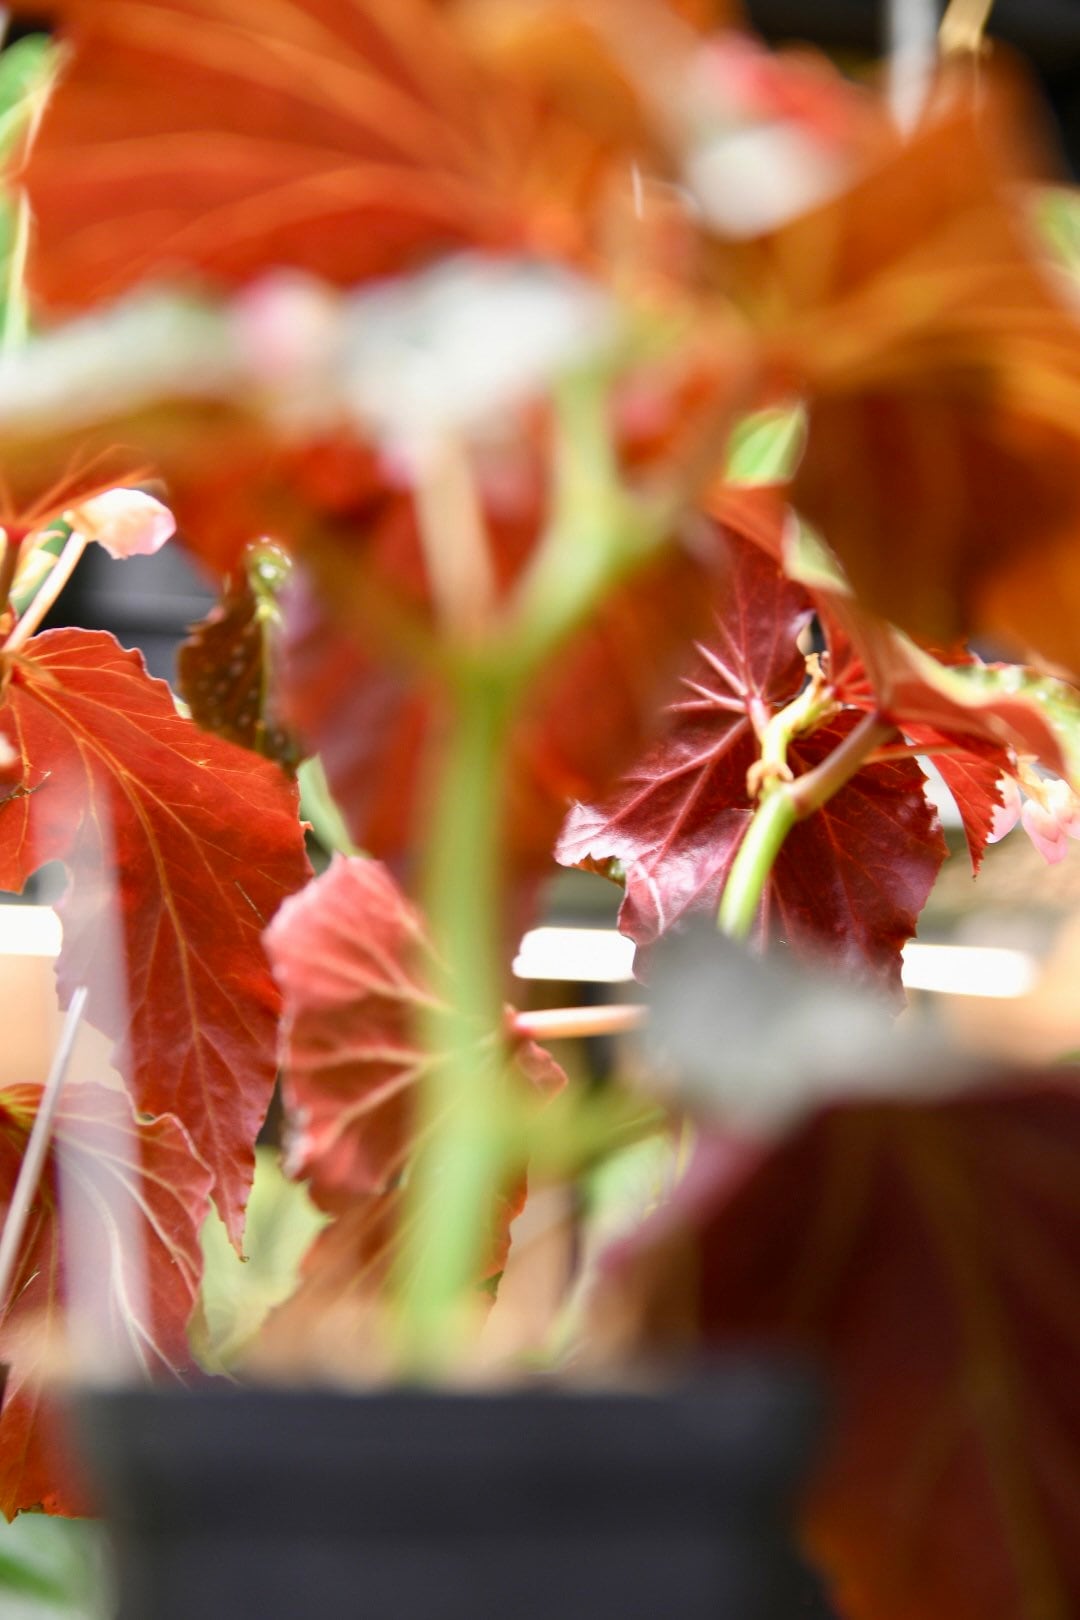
<point>127,522</point>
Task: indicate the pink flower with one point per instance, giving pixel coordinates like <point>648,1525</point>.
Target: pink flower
<point>1007,814</point>
<point>127,522</point>
<point>1049,814</point>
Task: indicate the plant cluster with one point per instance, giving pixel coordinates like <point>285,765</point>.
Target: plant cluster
<point>609,436</point>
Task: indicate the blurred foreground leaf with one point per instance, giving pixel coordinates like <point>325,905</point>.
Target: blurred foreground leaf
<point>52,1569</point>
<point>282,1223</point>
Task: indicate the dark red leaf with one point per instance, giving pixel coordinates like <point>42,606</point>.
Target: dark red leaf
<point>851,879</point>
<point>180,847</point>
<point>950,695</point>
<point>225,667</point>
<point>376,718</point>
<point>351,1259</point>
<point>904,684</point>
<point>926,1253</point>
<point>973,719</point>
<point>136,1195</point>
<point>354,964</point>
<point>973,776</point>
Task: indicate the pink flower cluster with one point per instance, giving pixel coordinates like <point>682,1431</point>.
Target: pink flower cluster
<point>1048,810</point>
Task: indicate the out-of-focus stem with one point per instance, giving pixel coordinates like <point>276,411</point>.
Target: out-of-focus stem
<point>912,54</point>
<point>9,562</point>
<point>61,572</point>
<point>37,1148</point>
<point>963,26</point>
<point>15,314</point>
<point>457,551</point>
<point>462,1129</point>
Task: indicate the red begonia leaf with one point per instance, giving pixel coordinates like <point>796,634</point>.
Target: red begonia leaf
<point>971,762</point>
<point>225,667</point>
<point>349,1263</point>
<point>852,877</point>
<point>973,776</point>
<point>931,1266</point>
<point>136,1195</point>
<point>346,137</point>
<point>335,1318</point>
<point>875,665</point>
<point>179,847</point>
<point>940,357</point>
<point>973,718</point>
<point>374,717</point>
<point>354,964</point>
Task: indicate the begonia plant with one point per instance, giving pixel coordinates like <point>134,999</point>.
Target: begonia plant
<point>617,445</point>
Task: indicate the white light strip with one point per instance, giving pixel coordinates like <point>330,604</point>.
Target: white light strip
<point>601,956</point>
<point>969,970</point>
<point>575,955</point>
<point>29,931</point>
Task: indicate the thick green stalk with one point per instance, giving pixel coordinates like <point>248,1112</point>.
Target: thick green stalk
<point>783,804</point>
<point>772,821</point>
<point>463,1129</point>
<point>598,534</point>
<point>14,308</point>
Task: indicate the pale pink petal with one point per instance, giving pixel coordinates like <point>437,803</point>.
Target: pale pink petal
<point>1045,831</point>
<point>1064,806</point>
<point>1007,814</point>
<point>127,522</point>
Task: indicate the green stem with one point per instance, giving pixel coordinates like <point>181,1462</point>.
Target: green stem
<point>48,546</point>
<point>815,788</point>
<point>782,805</point>
<point>48,591</point>
<point>599,531</point>
<point>14,310</point>
<point>772,821</point>
<point>9,563</point>
<point>463,1129</point>
<point>815,704</point>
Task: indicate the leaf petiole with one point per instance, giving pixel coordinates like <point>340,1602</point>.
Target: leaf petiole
<point>37,1149</point>
<point>463,1100</point>
<point>769,826</point>
<point>815,704</point>
<point>782,805</point>
<point>54,583</point>
<point>14,306</point>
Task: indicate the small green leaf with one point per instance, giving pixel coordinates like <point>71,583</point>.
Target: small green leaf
<point>282,1223</point>
<point>52,1569</point>
<point>319,807</point>
<point>39,564</point>
<point>765,448</point>
<point>1057,220</point>
<point>25,70</point>
<point>21,1577</point>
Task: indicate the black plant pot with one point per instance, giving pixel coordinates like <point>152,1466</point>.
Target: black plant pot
<point>411,1506</point>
